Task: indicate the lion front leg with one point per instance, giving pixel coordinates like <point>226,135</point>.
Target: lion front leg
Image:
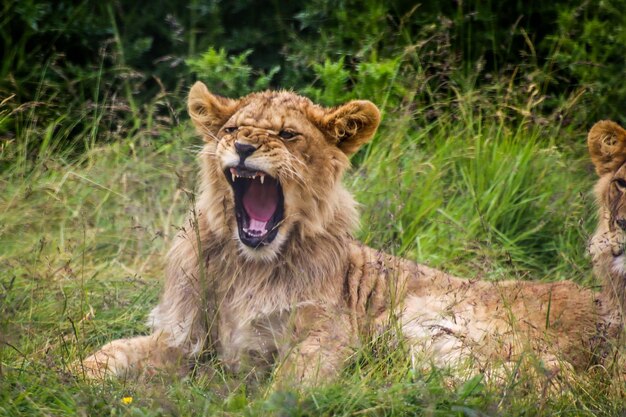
<point>135,356</point>
<point>311,362</point>
<point>323,343</point>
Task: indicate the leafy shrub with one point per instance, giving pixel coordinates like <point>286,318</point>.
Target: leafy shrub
<point>228,75</point>
<point>589,51</point>
<point>62,59</point>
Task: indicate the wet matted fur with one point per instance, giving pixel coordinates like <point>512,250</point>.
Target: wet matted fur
<point>267,271</point>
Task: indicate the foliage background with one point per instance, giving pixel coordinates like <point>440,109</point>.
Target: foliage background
<point>479,168</point>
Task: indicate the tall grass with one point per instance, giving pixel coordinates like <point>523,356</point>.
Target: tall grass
<point>82,243</point>
<point>474,189</point>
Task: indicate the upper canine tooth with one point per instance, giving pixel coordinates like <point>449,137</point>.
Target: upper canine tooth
<point>262,178</point>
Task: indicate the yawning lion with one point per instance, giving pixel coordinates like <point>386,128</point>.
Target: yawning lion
<point>267,271</point>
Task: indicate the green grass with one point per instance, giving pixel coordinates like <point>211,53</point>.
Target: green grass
<point>81,257</point>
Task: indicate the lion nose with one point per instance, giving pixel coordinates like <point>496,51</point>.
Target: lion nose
<point>244,150</point>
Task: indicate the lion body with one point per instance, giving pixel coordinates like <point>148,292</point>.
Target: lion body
<point>307,299</point>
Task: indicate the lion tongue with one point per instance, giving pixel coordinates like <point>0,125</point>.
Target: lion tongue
<point>260,202</point>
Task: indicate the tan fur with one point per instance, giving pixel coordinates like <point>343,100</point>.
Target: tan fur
<point>607,147</point>
<point>306,300</point>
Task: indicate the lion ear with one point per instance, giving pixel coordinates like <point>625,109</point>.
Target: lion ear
<point>607,146</point>
<point>352,124</point>
<point>208,111</point>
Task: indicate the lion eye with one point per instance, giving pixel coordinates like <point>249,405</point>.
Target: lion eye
<point>286,134</point>
<point>620,183</point>
<point>230,129</point>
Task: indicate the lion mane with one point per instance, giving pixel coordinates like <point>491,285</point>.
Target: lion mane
<point>266,270</point>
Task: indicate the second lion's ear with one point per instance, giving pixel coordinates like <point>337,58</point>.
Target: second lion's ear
<point>208,111</point>
<point>352,124</point>
<point>607,146</point>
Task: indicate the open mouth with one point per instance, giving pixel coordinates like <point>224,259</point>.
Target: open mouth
<point>259,205</point>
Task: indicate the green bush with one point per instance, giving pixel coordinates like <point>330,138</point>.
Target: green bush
<point>62,59</point>
<point>228,75</point>
<point>589,51</point>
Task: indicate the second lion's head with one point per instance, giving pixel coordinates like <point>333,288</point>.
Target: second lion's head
<point>272,166</point>
<point>607,148</point>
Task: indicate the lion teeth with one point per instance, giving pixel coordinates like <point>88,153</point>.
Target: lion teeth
<point>235,173</point>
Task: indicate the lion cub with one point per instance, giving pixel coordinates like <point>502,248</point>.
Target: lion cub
<point>267,271</point>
